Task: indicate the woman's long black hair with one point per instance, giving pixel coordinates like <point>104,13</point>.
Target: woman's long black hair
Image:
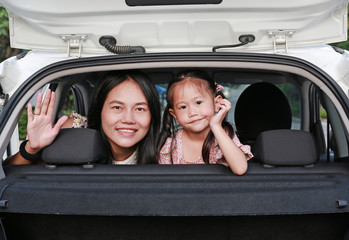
<point>169,124</point>
<point>147,147</point>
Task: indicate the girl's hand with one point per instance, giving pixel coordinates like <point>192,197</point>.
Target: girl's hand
<point>41,133</point>
<point>235,158</point>
<point>223,106</point>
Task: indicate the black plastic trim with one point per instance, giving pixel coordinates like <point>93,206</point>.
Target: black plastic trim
<point>134,3</point>
<point>78,100</point>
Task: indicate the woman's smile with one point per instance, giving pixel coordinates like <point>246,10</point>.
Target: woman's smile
<point>125,132</point>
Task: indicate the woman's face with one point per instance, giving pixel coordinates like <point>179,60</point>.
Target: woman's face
<point>125,117</point>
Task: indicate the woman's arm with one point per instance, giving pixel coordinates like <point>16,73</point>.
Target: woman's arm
<point>41,133</point>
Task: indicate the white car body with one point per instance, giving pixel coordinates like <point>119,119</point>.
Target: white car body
<point>59,31</point>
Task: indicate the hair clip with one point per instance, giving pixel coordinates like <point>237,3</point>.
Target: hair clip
<point>219,88</point>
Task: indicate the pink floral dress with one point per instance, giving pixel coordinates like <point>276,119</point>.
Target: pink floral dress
<point>216,154</point>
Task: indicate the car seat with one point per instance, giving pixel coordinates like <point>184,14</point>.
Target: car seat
<point>79,146</point>
<point>286,147</point>
<point>261,107</point>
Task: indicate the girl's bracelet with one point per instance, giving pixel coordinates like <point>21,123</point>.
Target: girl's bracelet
<point>33,158</point>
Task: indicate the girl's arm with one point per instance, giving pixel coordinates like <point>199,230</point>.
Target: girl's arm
<point>234,156</point>
<point>41,133</point>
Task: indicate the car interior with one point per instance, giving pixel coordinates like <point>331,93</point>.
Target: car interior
<point>261,101</point>
<point>299,171</point>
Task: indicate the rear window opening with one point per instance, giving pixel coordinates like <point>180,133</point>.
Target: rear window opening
<point>305,100</point>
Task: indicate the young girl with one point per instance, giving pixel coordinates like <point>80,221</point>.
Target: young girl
<point>194,100</point>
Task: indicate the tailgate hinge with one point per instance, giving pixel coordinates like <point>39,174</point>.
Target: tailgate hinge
<point>280,39</point>
<point>74,42</point>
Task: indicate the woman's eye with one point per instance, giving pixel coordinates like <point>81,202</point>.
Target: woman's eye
<point>140,109</point>
<point>117,107</point>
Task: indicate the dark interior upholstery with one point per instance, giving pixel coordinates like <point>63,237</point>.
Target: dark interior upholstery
<point>286,148</point>
<point>289,227</point>
<point>75,146</point>
<point>261,107</point>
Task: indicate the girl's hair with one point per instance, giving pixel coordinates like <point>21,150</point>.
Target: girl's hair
<point>147,148</point>
<point>169,124</point>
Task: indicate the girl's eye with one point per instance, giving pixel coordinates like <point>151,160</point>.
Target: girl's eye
<point>198,102</point>
<point>182,107</point>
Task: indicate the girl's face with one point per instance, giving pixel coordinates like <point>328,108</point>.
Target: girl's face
<point>192,108</point>
<point>125,117</point>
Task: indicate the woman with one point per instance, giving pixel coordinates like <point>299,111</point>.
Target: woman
<point>125,109</point>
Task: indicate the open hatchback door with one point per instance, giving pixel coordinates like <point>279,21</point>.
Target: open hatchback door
<point>296,186</point>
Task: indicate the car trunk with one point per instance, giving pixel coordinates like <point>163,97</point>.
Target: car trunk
<point>186,201</point>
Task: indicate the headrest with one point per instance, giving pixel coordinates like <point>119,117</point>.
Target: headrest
<point>261,107</point>
<point>75,146</point>
<point>286,148</point>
